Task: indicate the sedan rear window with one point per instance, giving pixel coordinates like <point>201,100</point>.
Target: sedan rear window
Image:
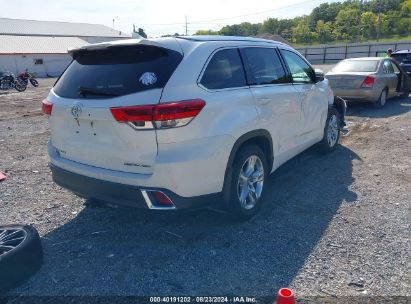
<point>356,66</point>
<point>117,71</point>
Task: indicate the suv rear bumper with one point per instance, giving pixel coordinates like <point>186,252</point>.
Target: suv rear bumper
<point>125,195</point>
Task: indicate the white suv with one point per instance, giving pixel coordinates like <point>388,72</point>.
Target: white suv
<point>183,122</point>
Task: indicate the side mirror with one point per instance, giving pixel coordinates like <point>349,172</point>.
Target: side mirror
<point>319,75</point>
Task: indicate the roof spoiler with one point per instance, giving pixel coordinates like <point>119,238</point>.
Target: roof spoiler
<point>113,44</point>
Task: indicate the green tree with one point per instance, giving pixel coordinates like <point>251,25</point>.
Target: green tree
<point>326,12</point>
<point>324,31</point>
<point>369,25</point>
<point>271,26</point>
<point>301,32</point>
<point>232,30</point>
<point>330,22</point>
<point>346,24</point>
<point>206,32</point>
<point>404,22</point>
<point>250,29</point>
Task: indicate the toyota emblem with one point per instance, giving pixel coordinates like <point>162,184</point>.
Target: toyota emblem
<point>76,110</point>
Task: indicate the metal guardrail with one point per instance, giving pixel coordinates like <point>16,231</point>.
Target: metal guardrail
<point>334,53</point>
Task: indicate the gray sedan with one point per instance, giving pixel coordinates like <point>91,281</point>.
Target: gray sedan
<point>371,79</point>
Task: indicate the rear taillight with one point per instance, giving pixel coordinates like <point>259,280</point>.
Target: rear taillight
<point>368,82</point>
<point>47,107</point>
<point>161,116</point>
<point>135,113</point>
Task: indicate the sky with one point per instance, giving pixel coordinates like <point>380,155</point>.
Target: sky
<point>157,17</point>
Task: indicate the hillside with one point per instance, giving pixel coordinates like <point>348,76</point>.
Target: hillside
<point>347,21</point>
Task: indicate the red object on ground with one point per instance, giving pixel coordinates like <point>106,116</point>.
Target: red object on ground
<point>2,177</point>
<point>285,296</point>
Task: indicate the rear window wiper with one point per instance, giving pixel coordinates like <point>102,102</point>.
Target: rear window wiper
<point>93,91</point>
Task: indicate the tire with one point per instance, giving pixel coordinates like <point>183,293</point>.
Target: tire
<point>34,82</point>
<point>382,100</point>
<point>245,209</point>
<point>20,86</point>
<point>17,264</point>
<point>331,132</point>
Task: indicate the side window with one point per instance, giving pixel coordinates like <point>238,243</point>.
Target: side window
<point>300,70</point>
<point>225,70</point>
<point>264,66</point>
<point>387,67</point>
<point>396,69</point>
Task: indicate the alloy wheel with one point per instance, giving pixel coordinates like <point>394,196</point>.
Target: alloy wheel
<point>11,239</point>
<point>332,131</point>
<point>250,182</point>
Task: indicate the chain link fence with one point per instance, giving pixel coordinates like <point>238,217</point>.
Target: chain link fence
<point>333,53</point>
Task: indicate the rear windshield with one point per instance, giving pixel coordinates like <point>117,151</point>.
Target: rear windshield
<point>117,71</point>
<point>356,66</point>
<point>405,58</point>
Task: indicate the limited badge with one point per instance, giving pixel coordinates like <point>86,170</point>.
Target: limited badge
<point>148,78</point>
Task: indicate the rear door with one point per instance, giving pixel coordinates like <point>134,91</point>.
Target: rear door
<point>277,101</point>
<point>313,96</point>
<point>83,128</point>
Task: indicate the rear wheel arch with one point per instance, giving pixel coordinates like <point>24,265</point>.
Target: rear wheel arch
<point>261,138</point>
<point>379,103</point>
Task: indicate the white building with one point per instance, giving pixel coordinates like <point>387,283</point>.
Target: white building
<point>41,46</point>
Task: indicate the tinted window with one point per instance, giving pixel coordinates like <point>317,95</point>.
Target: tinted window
<point>402,57</point>
<point>387,67</point>
<point>117,71</point>
<point>356,66</point>
<point>225,70</point>
<point>300,70</point>
<point>264,66</point>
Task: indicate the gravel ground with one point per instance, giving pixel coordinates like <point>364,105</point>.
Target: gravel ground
<point>331,225</point>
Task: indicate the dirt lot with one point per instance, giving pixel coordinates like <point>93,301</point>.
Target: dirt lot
<point>331,225</point>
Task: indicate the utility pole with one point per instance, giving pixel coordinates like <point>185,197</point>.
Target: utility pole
<point>359,21</point>
<point>186,26</point>
<point>379,20</point>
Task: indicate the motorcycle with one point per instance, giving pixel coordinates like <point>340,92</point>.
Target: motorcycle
<point>25,77</point>
<point>9,81</point>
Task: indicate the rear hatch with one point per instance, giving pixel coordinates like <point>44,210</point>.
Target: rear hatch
<point>83,128</point>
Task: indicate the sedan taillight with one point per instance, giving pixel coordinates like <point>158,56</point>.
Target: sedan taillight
<point>161,116</point>
<point>46,107</point>
<point>368,82</point>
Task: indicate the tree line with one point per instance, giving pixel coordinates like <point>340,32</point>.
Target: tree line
<point>346,21</point>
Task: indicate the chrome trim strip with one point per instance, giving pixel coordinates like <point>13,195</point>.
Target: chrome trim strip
<point>147,199</point>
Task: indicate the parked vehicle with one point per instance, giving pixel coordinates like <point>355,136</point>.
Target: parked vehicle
<point>9,81</point>
<point>403,58</point>
<point>370,79</point>
<point>25,77</point>
<point>182,122</point>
